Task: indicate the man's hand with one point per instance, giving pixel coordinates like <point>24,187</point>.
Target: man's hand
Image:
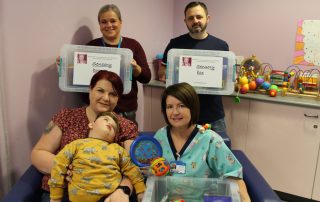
<point>116,196</point>
<point>162,73</point>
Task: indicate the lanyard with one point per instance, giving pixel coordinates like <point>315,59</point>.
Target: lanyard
<point>119,44</point>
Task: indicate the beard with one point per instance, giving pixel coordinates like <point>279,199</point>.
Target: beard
<point>197,28</point>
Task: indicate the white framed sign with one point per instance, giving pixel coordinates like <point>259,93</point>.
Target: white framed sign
<point>87,64</point>
<point>201,71</point>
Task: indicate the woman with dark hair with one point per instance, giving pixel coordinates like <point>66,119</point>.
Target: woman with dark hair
<point>191,150</point>
<point>72,124</point>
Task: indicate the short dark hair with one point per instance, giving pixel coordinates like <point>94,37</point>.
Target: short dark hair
<point>112,77</point>
<point>110,7</point>
<point>187,95</point>
<point>194,4</point>
<point>113,116</point>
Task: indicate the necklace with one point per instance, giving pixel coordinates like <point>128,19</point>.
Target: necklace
<point>118,46</point>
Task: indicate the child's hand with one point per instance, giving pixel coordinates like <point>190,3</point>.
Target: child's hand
<point>145,171</point>
<point>140,196</point>
<point>69,173</point>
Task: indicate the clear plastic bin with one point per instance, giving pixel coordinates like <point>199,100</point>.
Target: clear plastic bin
<point>224,75</point>
<point>169,188</point>
<point>67,61</point>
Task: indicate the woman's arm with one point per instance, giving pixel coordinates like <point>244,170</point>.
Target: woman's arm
<point>142,72</point>
<point>42,153</point>
<point>127,145</point>
<point>243,191</point>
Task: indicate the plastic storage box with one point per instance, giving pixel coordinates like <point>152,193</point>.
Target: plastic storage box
<point>189,189</point>
<point>209,72</point>
<point>68,59</point>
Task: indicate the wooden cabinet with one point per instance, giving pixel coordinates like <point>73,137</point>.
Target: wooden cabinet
<point>237,117</point>
<point>153,118</point>
<point>284,145</point>
<point>316,187</point>
<point>281,141</point>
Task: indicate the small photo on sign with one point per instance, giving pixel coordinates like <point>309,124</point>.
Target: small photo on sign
<point>201,71</point>
<point>86,64</point>
<point>82,58</point>
<point>187,61</point>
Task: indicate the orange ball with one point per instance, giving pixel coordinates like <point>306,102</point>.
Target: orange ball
<point>273,93</point>
<point>244,89</point>
<point>252,85</point>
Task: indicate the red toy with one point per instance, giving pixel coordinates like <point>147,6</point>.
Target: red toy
<point>273,93</point>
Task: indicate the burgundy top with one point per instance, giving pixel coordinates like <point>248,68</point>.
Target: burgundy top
<point>129,102</point>
<point>74,125</point>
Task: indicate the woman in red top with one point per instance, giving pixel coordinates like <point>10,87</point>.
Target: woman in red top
<point>71,124</point>
<point>110,23</point>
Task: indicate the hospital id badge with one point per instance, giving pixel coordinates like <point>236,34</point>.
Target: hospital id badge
<point>177,167</point>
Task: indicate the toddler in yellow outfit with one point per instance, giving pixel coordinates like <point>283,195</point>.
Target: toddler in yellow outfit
<point>98,164</point>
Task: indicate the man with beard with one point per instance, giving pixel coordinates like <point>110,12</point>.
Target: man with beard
<point>196,19</point>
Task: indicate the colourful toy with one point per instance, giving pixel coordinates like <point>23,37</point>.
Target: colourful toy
<point>204,127</point>
<point>265,85</point>
<point>273,93</point>
<point>252,85</point>
<point>160,166</point>
<point>144,150</point>
<point>274,87</point>
<point>259,81</point>
<point>243,80</point>
<point>177,200</point>
<point>244,89</point>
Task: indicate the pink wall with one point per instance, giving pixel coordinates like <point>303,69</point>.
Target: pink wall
<point>264,28</point>
<point>32,33</point>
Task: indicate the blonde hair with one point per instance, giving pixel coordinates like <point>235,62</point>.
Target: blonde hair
<point>109,7</point>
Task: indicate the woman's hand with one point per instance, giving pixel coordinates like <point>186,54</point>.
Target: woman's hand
<point>136,68</point>
<point>243,191</point>
<point>116,196</point>
<point>58,63</point>
<point>55,200</point>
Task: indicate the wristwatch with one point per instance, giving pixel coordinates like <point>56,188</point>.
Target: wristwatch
<point>125,189</point>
